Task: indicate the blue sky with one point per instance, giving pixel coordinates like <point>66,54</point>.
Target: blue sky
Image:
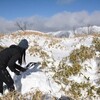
<point>12,9</point>
<point>48,15</point>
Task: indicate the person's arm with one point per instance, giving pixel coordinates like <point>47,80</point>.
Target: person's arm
<point>20,61</point>
<point>12,64</point>
<point>20,68</point>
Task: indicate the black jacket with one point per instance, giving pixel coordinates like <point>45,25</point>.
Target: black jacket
<point>9,56</point>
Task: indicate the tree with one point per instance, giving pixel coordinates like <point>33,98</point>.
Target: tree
<point>89,29</point>
<point>21,25</point>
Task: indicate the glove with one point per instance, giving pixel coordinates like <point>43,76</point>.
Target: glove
<point>23,69</point>
<point>17,72</point>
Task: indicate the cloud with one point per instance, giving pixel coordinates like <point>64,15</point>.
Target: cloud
<point>63,2</point>
<point>68,20</point>
<point>6,26</point>
<point>60,21</point>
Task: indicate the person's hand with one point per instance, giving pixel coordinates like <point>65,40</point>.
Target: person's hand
<point>23,69</point>
<point>17,72</point>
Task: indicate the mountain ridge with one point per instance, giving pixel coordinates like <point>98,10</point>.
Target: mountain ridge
<point>78,31</point>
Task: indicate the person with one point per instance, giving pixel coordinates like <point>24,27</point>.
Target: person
<point>8,58</point>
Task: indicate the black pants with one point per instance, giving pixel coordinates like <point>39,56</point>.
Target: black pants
<point>6,78</point>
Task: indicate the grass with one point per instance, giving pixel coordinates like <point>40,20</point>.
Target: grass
<point>76,90</point>
<point>96,43</point>
<point>63,71</point>
<point>38,51</point>
<point>82,54</point>
<point>85,35</point>
<point>37,95</point>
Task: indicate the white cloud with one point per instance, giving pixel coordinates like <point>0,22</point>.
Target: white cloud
<point>6,26</point>
<point>63,2</point>
<point>60,21</point>
<point>68,20</point>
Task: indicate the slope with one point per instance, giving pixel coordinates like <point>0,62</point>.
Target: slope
<point>69,66</point>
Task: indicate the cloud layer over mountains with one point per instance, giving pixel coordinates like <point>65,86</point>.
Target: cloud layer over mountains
<point>59,21</point>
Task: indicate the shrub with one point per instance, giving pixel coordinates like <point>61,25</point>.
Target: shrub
<point>64,71</point>
<point>82,54</point>
<point>34,50</point>
<point>37,95</point>
<point>77,88</point>
<point>96,42</point>
<point>12,96</point>
<point>37,50</point>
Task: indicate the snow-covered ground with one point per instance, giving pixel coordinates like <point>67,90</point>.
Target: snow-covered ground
<point>40,76</point>
<point>82,30</point>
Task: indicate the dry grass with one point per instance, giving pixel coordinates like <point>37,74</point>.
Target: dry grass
<point>12,96</point>
<point>82,54</point>
<point>31,33</point>
<point>86,35</point>
<point>96,43</point>
<point>37,95</point>
<point>1,35</point>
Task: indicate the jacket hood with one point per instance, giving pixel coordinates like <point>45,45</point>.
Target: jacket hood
<point>23,44</point>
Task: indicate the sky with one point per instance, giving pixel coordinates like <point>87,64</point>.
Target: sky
<point>49,15</point>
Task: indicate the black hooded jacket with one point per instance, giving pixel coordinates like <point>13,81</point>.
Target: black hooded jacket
<point>9,56</point>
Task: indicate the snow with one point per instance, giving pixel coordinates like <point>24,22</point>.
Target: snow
<point>82,30</point>
<point>27,31</point>
<point>36,78</point>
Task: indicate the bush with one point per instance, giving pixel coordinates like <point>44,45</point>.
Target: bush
<point>77,88</point>
<point>96,42</point>
<point>12,96</point>
<point>37,50</point>
<point>64,71</point>
<point>82,54</point>
<point>37,95</point>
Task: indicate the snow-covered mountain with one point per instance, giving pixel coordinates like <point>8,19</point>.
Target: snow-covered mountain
<point>77,31</point>
<point>69,66</point>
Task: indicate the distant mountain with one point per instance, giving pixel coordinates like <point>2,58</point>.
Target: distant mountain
<point>77,31</point>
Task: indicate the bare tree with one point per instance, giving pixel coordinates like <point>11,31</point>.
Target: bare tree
<point>89,29</point>
<point>21,25</point>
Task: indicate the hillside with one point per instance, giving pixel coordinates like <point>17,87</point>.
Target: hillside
<point>69,66</point>
<point>89,30</point>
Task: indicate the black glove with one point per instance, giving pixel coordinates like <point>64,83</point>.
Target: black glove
<point>23,69</point>
<point>17,72</point>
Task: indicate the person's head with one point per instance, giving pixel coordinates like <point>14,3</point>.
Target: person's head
<point>23,44</point>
